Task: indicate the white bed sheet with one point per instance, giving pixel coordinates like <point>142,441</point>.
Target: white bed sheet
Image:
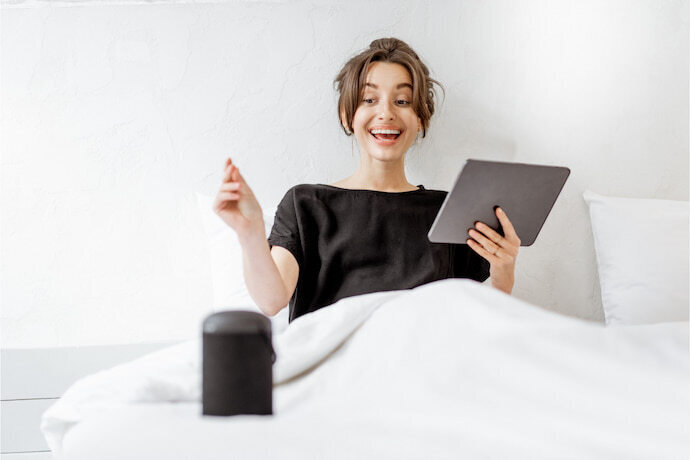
<point>447,370</point>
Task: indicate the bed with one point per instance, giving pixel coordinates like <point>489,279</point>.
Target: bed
<point>451,369</point>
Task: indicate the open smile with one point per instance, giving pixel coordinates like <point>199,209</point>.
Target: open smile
<point>385,137</point>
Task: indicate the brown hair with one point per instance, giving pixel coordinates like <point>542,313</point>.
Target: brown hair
<point>352,78</point>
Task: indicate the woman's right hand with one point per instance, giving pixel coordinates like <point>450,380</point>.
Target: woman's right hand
<point>236,204</point>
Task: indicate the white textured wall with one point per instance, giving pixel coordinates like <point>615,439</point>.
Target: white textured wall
<point>115,113</point>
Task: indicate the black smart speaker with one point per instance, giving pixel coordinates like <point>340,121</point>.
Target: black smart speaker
<point>238,357</point>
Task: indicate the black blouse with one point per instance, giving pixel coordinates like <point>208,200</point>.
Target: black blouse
<point>349,242</point>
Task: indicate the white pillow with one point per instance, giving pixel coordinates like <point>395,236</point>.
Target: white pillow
<point>642,255</point>
<point>225,253</point>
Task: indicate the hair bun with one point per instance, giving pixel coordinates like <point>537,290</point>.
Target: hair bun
<point>391,44</point>
<point>388,44</point>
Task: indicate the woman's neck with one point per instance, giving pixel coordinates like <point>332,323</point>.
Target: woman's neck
<point>384,177</point>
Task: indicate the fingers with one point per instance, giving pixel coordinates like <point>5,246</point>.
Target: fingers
<point>236,176</point>
<point>479,249</point>
<point>227,196</point>
<point>500,251</point>
<point>492,242</point>
<point>489,232</point>
<point>232,173</point>
<point>508,229</point>
<point>227,170</point>
<point>486,243</point>
<point>230,187</point>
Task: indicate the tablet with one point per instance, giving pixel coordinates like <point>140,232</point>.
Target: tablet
<point>526,192</point>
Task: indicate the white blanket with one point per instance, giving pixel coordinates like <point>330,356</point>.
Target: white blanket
<point>449,369</point>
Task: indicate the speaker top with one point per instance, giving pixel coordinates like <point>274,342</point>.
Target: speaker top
<point>237,322</point>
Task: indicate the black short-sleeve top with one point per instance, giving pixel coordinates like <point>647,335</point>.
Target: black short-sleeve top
<point>350,242</point>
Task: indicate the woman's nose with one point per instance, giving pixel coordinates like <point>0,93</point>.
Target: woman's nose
<point>386,110</point>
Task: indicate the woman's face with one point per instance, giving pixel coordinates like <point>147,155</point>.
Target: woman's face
<point>386,104</point>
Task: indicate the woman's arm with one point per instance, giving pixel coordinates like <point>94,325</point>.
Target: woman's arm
<point>270,275</point>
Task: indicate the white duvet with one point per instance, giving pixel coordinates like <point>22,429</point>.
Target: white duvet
<point>451,369</point>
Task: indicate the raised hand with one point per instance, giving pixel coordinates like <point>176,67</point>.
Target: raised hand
<point>236,204</point>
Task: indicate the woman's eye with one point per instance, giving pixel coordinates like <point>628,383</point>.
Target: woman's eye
<point>399,101</point>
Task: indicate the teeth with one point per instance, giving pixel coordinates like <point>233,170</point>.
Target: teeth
<point>385,131</point>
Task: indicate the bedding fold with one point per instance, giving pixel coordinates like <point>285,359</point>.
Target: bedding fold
<point>173,374</point>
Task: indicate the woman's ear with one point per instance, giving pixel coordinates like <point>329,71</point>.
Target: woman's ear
<point>343,121</point>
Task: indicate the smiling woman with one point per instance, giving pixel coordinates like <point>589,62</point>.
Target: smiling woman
<point>367,232</point>
<point>385,123</point>
<point>386,99</point>
<point>411,80</point>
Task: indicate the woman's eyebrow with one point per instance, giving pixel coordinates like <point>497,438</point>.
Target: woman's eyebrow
<point>400,85</point>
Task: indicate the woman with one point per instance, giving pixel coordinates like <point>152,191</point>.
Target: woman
<point>367,232</point>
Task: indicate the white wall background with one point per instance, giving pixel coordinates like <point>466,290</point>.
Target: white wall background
<point>115,113</point>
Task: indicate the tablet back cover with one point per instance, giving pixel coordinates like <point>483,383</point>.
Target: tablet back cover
<point>526,192</point>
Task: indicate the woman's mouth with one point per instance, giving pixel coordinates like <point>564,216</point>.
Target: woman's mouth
<point>385,137</point>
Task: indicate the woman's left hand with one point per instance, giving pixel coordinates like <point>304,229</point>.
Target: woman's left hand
<point>500,251</point>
